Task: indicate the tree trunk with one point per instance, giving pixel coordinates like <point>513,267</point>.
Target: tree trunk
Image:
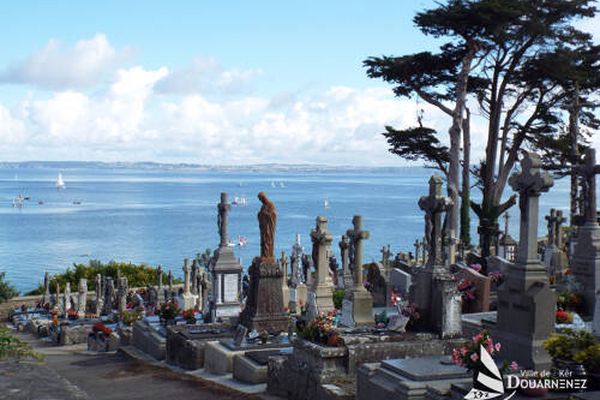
<point>574,136</point>
<point>465,217</point>
<point>454,152</point>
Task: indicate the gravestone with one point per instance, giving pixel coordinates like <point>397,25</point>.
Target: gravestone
<point>187,301</point>
<point>264,305</point>
<point>285,289</point>
<point>226,269</point>
<point>98,303</point>
<point>482,285</point>
<point>81,297</point>
<point>169,294</point>
<point>322,287</point>
<point>526,304</point>
<point>378,285</point>
<point>67,305</point>
<point>297,250</point>
<point>59,304</point>
<point>46,295</point>
<point>109,296</point>
<point>417,245</point>
<point>239,335</point>
<point>433,288</point>
<point>357,310</point>
<point>347,274</point>
<point>555,259</point>
<point>401,280</point>
<point>585,264</point>
<point>122,288</point>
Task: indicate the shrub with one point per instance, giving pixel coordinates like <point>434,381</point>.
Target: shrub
<point>12,347</point>
<point>338,298</point>
<point>565,346</point>
<point>137,275</point>
<point>7,291</point>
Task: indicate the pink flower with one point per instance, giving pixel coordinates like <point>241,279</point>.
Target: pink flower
<point>474,357</point>
<point>476,267</point>
<point>514,366</point>
<point>477,338</point>
<point>498,346</point>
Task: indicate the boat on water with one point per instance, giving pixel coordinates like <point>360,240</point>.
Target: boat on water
<point>239,201</point>
<point>325,203</point>
<point>60,183</point>
<point>18,201</point>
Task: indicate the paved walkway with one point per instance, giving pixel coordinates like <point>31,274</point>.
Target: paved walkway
<point>70,372</point>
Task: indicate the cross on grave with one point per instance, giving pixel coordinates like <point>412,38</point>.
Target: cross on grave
<point>555,220</point>
<point>223,208</point>
<point>417,245</point>
<point>159,278</point>
<point>321,239</point>
<point>588,171</point>
<point>385,255</point>
<point>434,205</point>
<point>186,274</point>
<point>344,249</point>
<point>529,183</point>
<point>356,235</point>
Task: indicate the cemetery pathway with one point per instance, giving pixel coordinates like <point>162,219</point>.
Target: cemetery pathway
<point>104,376</point>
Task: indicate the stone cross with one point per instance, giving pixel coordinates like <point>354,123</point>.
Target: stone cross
<point>297,251</point>
<point>588,171</point>
<point>122,294</point>
<point>385,256</point>
<point>99,293</point>
<point>356,235</point>
<point>82,297</point>
<point>344,250</point>
<point>307,266</point>
<point>529,183</point>
<point>67,297</point>
<point>170,282</point>
<point>193,278</point>
<point>321,239</point>
<point>434,205</point>
<point>186,275</point>
<point>551,218</point>
<point>109,296</point>
<point>223,208</point>
<point>283,261</point>
<point>46,296</point>
<point>159,278</point>
<point>417,245</point>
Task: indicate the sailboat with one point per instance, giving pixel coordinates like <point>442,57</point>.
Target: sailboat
<point>60,183</point>
<point>325,203</point>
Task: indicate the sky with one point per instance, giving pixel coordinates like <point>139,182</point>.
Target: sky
<point>220,82</point>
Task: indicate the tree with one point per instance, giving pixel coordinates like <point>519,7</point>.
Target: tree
<point>7,291</point>
<point>441,80</point>
<point>508,39</point>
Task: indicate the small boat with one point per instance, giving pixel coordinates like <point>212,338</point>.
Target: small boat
<point>18,201</point>
<point>325,203</point>
<point>60,183</point>
<point>273,184</point>
<point>76,202</point>
<point>242,241</point>
<point>40,202</point>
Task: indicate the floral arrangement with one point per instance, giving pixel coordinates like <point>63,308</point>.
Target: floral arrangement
<point>568,300</point>
<point>322,330</point>
<point>563,317</point>
<point>130,316</point>
<point>497,277</point>
<point>189,316</point>
<point>395,297</point>
<point>476,267</point>
<point>467,290</point>
<point>381,319</point>
<point>100,327</point>
<point>566,346</point>
<point>169,310</point>
<point>467,356</point>
<point>411,311</point>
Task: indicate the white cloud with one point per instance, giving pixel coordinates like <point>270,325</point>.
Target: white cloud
<point>206,75</point>
<point>58,67</point>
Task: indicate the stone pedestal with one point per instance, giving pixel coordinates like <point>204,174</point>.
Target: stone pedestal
<point>264,306</point>
<point>585,265</point>
<point>357,310</point>
<point>187,301</point>
<point>227,275</point>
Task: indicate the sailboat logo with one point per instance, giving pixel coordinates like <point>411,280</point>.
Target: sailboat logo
<point>488,381</point>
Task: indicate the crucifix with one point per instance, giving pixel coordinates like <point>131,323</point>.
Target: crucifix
<point>417,245</point>
<point>588,171</point>
<point>321,239</point>
<point>356,235</point>
<point>223,208</point>
<point>529,183</point>
<point>434,205</point>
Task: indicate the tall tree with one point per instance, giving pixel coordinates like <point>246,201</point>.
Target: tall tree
<point>519,102</point>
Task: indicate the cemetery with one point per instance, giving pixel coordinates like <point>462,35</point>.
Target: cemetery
<point>445,319</point>
<point>395,328</point>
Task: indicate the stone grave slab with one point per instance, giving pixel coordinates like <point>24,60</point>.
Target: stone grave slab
<point>482,285</point>
<point>150,339</point>
<point>219,355</point>
<point>425,368</point>
<point>186,344</point>
<point>252,366</point>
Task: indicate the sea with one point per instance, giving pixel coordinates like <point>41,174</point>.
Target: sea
<point>161,215</point>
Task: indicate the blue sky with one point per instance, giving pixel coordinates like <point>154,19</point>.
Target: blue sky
<point>237,81</point>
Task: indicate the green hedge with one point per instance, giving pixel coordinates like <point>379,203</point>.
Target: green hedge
<point>137,275</point>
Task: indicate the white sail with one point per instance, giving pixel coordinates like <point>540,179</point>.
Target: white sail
<point>60,183</point>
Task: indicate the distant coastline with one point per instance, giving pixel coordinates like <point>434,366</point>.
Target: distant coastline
<point>148,165</point>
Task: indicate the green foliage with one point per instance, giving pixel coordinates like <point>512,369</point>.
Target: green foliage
<point>590,358</point>
<point>7,291</point>
<point>137,275</point>
<point>338,298</point>
<point>565,346</point>
<point>128,317</point>
<point>14,348</point>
